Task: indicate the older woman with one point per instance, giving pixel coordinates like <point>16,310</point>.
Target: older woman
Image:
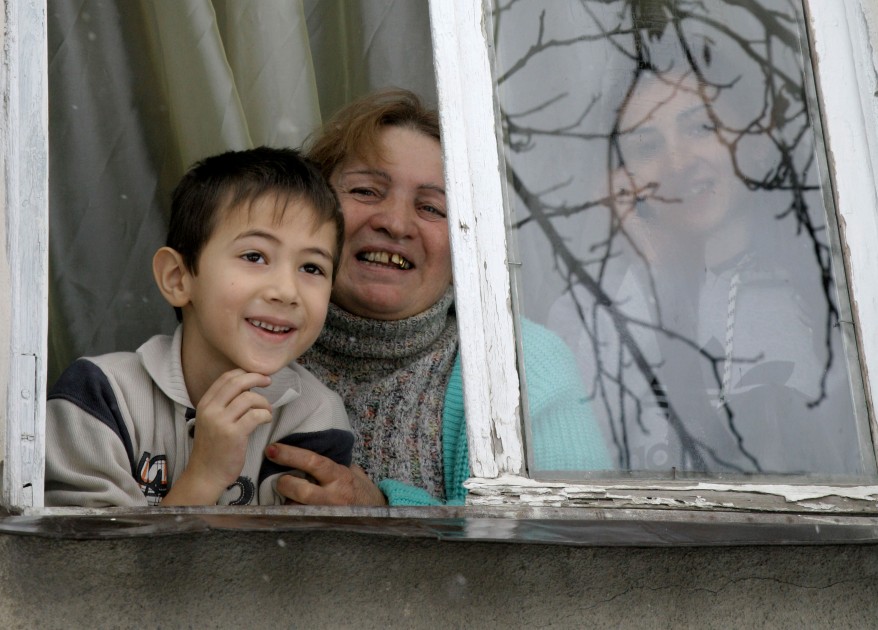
<point>390,344</point>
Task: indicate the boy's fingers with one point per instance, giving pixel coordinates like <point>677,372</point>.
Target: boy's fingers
<point>220,384</point>
<point>254,417</point>
<point>246,401</point>
<point>231,384</point>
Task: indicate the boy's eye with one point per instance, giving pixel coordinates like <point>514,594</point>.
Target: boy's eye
<point>313,269</point>
<point>254,257</point>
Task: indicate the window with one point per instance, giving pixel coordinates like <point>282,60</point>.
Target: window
<point>545,93</point>
<point>676,228</point>
<point>478,190</point>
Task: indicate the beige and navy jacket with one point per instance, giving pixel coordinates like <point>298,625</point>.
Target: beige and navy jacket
<point>120,427</point>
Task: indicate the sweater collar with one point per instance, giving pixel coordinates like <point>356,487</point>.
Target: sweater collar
<point>161,357</point>
<point>355,336</point>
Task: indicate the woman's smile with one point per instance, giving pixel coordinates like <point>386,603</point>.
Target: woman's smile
<point>396,260</point>
<point>386,259</point>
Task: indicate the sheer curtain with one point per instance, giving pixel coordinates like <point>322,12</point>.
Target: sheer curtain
<point>141,89</point>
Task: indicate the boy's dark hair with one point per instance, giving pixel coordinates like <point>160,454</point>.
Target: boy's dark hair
<point>228,180</point>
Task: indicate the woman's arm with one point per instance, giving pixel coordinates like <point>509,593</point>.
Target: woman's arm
<point>566,435</point>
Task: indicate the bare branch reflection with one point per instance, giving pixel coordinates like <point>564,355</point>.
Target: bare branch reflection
<point>691,263</point>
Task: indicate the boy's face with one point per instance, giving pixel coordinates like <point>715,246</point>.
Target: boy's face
<point>260,297</point>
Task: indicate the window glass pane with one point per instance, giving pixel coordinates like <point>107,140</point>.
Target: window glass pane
<point>675,229</point>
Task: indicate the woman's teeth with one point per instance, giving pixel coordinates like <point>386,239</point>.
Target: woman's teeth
<point>386,258</point>
<point>269,327</point>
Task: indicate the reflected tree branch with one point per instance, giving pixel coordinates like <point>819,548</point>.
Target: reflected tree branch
<point>781,122</point>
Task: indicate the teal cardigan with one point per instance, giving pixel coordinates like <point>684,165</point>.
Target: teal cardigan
<point>565,434</point>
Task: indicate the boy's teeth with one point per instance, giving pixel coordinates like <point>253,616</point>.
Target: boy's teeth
<point>269,327</point>
<point>386,258</point>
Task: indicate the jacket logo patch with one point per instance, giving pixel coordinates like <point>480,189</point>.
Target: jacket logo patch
<point>152,476</point>
<point>247,489</point>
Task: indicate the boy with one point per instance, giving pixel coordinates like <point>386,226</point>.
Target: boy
<point>252,250</point>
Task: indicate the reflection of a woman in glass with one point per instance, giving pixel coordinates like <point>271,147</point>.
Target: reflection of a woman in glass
<point>676,185</point>
<point>721,294</point>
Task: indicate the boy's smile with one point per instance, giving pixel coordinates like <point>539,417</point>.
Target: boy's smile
<point>260,295</point>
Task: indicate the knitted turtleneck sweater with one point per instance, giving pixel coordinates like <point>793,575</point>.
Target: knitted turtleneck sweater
<point>392,376</point>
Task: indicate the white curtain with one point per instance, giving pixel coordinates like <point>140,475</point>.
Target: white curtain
<point>139,90</point>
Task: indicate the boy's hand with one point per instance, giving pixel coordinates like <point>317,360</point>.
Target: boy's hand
<point>225,417</point>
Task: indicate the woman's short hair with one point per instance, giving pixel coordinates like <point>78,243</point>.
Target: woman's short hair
<point>355,129</point>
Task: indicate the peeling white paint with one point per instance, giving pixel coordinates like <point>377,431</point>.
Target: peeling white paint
<point>798,493</point>
<point>478,236</point>
<point>24,134</point>
<point>509,489</point>
<point>790,492</point>
<point>821,507</point>
<point>845,70</point>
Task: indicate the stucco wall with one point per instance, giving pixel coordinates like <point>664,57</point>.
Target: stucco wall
<point>319,579</point>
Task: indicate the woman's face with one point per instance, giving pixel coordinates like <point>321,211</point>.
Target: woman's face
<point>680,173</point>
<point>396,260</point>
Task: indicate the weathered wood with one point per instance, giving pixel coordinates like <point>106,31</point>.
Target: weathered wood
<point>478,236</point>
<point>691,495</point>
<point>848,85</point>
<point>24,146</point>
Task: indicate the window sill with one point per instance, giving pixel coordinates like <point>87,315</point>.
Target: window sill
<point>581,526</point>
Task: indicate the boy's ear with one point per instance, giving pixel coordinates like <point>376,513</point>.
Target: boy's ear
<point>172,276</point>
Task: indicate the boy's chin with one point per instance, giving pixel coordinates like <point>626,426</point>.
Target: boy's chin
<point>270,370</point>
<point>265,367</point>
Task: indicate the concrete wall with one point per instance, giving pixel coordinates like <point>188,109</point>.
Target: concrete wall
<point>332,580</point>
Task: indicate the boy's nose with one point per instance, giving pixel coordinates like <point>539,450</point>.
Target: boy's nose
<point>283,288</point>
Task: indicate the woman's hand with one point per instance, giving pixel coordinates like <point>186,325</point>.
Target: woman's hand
<point>336,484</point>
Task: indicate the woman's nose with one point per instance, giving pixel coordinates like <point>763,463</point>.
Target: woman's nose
<point>678,158</point>
<point>393,217</point>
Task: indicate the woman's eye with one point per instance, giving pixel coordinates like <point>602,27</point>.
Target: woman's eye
<point>254,257</point>
<point>363,192</point>
<point>637,148</point>
<point>431,213</point>
<point>643,151</point>
<point>705,129</point>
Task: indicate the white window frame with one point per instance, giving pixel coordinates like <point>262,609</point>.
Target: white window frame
<point>476,199</point>
<point>473,170</point>
<point>24,141</point>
